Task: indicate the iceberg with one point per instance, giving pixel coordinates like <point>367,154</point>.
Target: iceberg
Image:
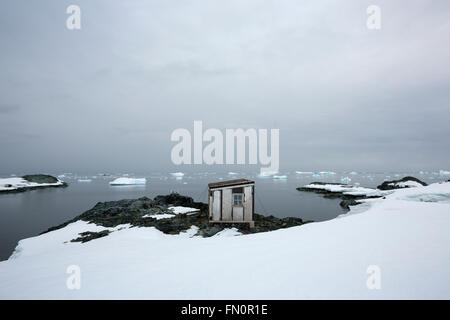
<point>304,172</point>
<point>345,180</point>
<point>275,177</point>
<point>177,174</point>
<point>128,181</point>
<point>444,173</point>
<point>325,173</point>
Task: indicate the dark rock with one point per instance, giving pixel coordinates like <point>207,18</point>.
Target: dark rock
<point>347,203</point>
<point>89,235</point>
<point>132,211</point>
<point>390,185</point>
<point>40,178</point>
<point>37,178</point>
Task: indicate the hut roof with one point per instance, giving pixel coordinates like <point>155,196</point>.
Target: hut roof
<point>229,183</point>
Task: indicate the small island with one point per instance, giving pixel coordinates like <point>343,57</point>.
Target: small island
<point>170,214</point>
<point>30,182</point>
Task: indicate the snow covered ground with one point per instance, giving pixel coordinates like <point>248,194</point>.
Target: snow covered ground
<point>402,241</point>
<point>8,184</point>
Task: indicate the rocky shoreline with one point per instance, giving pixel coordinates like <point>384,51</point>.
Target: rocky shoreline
<point>350,195</point>
<point>139,212</point>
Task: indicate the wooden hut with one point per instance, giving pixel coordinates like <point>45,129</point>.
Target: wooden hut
<point>232,201</point>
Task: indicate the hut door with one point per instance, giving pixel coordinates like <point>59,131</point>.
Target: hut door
<point>238,213</point>
<point>217,205</point>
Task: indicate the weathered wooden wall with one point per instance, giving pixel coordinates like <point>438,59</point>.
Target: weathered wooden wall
<point>248,203</point>
<point>222,209</point>
<point>217,205</point>
<point>226,204</point>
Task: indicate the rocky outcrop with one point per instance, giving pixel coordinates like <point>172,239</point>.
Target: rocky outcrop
<point>138,213</point>
<point>33,182</point>
<point>350,194</point>
<point>402,183</point>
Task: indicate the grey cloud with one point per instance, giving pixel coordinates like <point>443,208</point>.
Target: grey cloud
<point>343,96</point>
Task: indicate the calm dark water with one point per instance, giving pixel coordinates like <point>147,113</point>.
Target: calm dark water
<point>26,214</point>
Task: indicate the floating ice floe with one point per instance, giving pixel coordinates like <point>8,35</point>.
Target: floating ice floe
<point>177,174</point>
<point>128,181</point>
<point>326,173</point>
<point>353,173</point>
<point>276,177</point>
<point>232,173</point>
<point>304,172</point>
<point>84,180</point>
<point>444,173</point>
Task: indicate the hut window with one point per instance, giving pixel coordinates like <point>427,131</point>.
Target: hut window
<point>237,199</point>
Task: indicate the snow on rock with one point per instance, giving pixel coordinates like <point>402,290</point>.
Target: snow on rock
<point>405,184</point>
<point>19,183</point>
<point>176,210</point>
<point>128,181</point>
<point>345,189</point>
<point>179,209</point>
<point>407,241</point>
<point>159,216</point>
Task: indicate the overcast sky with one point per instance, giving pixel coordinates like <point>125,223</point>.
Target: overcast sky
<point>108,96</point>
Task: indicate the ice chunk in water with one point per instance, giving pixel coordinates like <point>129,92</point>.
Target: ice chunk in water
<point>346,180</point>
<point>128,181</point>
<point>177,174</point>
